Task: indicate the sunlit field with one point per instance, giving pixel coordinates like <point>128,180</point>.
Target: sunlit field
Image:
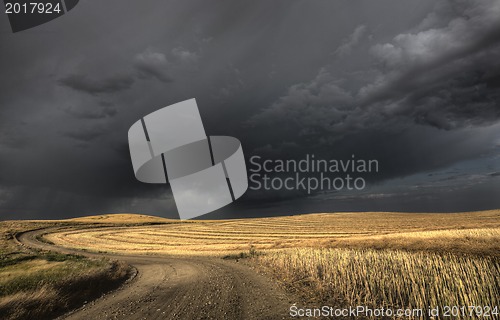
<point>396,260</point>
<point>477,232</point>
<point>388,278</point>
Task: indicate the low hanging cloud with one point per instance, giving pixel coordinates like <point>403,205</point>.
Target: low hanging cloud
<point>151,64</point>
<point>347,47</point>
<point>83,83</point>
<point>185,56</point>
<point>97,112</point>
<point>321,104</point>
<point>87,133</point>
<point>147,64</point>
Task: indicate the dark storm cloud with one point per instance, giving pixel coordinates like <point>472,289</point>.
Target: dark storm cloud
<point>83,83</point>
<point>185,56</point>
<point>92,113</point>
<point>87,134</point>
<point>444,77</point>
<point>80,181</point>
<point>151,64</point>
<point>11,139</point>
<point>148,64</point>
<point>441,75</point>
<point>287,78</point>
<point>346,48</point>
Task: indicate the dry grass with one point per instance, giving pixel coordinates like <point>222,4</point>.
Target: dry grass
<point>40,284</point>
<point>43,294</point>
<point>29,304</point>
<point>389,278</point>
<point>438,232</point>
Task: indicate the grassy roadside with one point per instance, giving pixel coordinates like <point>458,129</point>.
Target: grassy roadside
<point>42,285</point>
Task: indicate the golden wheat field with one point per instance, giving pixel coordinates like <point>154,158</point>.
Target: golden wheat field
<point>389,278</point>
<point>390,260</point>
<point>460,232</point>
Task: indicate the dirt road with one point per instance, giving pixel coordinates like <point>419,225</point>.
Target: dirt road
<point>181,288</point>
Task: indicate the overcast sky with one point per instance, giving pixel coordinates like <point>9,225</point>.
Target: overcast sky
<point>412,83</point>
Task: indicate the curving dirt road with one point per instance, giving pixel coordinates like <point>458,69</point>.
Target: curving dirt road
<point>181,288</point>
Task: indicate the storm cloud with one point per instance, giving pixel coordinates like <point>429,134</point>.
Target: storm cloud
<point>413,84</point>
<point>152,64</point>
<point>85,84</point>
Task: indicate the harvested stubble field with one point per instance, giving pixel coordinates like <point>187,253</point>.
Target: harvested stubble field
<point>389,278</point>
<point>473,232</point>
<point>396,260</point>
